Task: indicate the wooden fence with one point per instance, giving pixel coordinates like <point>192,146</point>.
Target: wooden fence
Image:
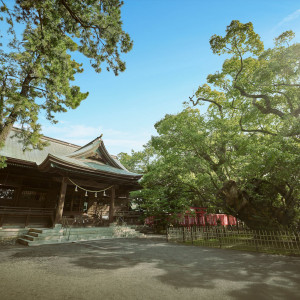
<point>284,242</point>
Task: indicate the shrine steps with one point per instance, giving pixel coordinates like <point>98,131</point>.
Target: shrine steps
<point>36,237</point>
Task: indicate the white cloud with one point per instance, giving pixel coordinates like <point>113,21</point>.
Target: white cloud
<point>78,131</point>
<point>293,16</point>
<point>124,142</point>
<point>71,131</point>
<point>79,142</point>
<point>116,141</point>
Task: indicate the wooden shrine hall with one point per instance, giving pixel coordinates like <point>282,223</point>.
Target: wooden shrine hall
<point>62,182</point>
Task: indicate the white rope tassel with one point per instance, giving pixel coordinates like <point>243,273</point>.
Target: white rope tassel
<point>86,190</point>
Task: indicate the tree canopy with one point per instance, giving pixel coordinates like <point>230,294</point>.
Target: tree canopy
<point>241,155</point>
<point>37,66</point>
<point>138,161</point>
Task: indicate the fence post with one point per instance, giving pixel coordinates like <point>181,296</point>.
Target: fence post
<point>192,235</point>
<point>183,237</point>
<point>237,223</point>
<point>167,234</point>
<point>297,239</point>
<point>256,239</point>
<point>218,236</point>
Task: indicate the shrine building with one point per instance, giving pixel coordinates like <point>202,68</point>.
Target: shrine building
<point>62,183</point>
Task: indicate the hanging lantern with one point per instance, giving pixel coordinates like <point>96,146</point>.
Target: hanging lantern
<point>76,189</point>
<point>86,194</point>
<point>95,194</point>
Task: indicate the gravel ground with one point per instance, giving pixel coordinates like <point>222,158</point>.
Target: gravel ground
<point>144,269</point>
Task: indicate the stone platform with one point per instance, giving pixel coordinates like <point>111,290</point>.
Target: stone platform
<point>41,236</point>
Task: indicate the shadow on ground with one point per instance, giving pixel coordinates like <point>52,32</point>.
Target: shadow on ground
<point>254,274</point>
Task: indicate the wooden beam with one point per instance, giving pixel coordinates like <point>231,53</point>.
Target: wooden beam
<point>112,204</point>
<point>61,201</point>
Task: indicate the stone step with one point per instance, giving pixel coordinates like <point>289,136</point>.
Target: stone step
<point>45,237</point>
<point>29,237</point>
<point>55,241</point>
<point>38,243</point>
<point>41,236</point>
<point>34,234</point>
<point>75,237</point>
<point>47,233</point>
<point>23,241</point>
<point>40,230</point>
<point>51,231</point>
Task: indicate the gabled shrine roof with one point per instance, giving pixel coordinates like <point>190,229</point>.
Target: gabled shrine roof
<point>93,157</point>
<point>14,148</point>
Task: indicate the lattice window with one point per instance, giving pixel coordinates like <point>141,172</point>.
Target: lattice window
<point>33,198</point>
<point>7,195</point>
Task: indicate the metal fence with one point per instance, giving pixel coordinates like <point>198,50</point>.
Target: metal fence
<point>284,242</point>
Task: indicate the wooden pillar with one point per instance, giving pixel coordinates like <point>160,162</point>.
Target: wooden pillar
<point>112,204</point>
<point>61,201</point>
<point>17,196</point>
<point>1,220</point>
<point>127,200</point>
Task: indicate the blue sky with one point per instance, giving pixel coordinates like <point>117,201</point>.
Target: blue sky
<point>171,57</point>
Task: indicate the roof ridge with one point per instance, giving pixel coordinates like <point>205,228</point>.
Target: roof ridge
<point>52,139</point>
<point>89,143</point>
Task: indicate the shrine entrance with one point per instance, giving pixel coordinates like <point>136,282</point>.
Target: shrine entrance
<point>82,208</point>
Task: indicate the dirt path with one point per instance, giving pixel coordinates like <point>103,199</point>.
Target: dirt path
<point>144,269</point>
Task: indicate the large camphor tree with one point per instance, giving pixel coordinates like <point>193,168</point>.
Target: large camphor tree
<point>37,66</point>
<point>242,155</point>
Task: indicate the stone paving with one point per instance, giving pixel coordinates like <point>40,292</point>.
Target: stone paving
<point>146,268</point>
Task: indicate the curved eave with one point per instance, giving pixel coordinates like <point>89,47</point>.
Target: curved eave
<point>20,162</point>
<point>102,148</point>
<point>84,151</point>
<point>92,147</point>
<point>51,162</point>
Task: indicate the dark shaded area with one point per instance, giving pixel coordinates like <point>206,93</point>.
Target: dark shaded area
<point>255,206</point>
<point>255,275</point>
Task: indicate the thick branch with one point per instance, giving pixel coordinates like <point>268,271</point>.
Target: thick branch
<point>265,110</point>
<point>37,88</point>
<point>220,107</point>
<point>286,84</point>
<point>9,122</point>
<point>288,100</point>
<point>79,20</point>
<point>74,16</point>
<point>255,130</point>
<point>85,25</point>
<point>241,60</point>
<point>296,112</point>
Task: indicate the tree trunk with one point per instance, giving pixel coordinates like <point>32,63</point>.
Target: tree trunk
<point>61,201</point>
<point>9,123</point>
<point>4,132</point>
<point>254,208</point>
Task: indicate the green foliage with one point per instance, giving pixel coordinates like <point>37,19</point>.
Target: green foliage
<point>137,161</point>
<point>37,66</point>
<point>242,155</point>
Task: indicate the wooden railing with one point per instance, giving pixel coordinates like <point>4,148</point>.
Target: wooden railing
<point>27,212</point>
<point>9,210</point>
<point>127,214</point>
